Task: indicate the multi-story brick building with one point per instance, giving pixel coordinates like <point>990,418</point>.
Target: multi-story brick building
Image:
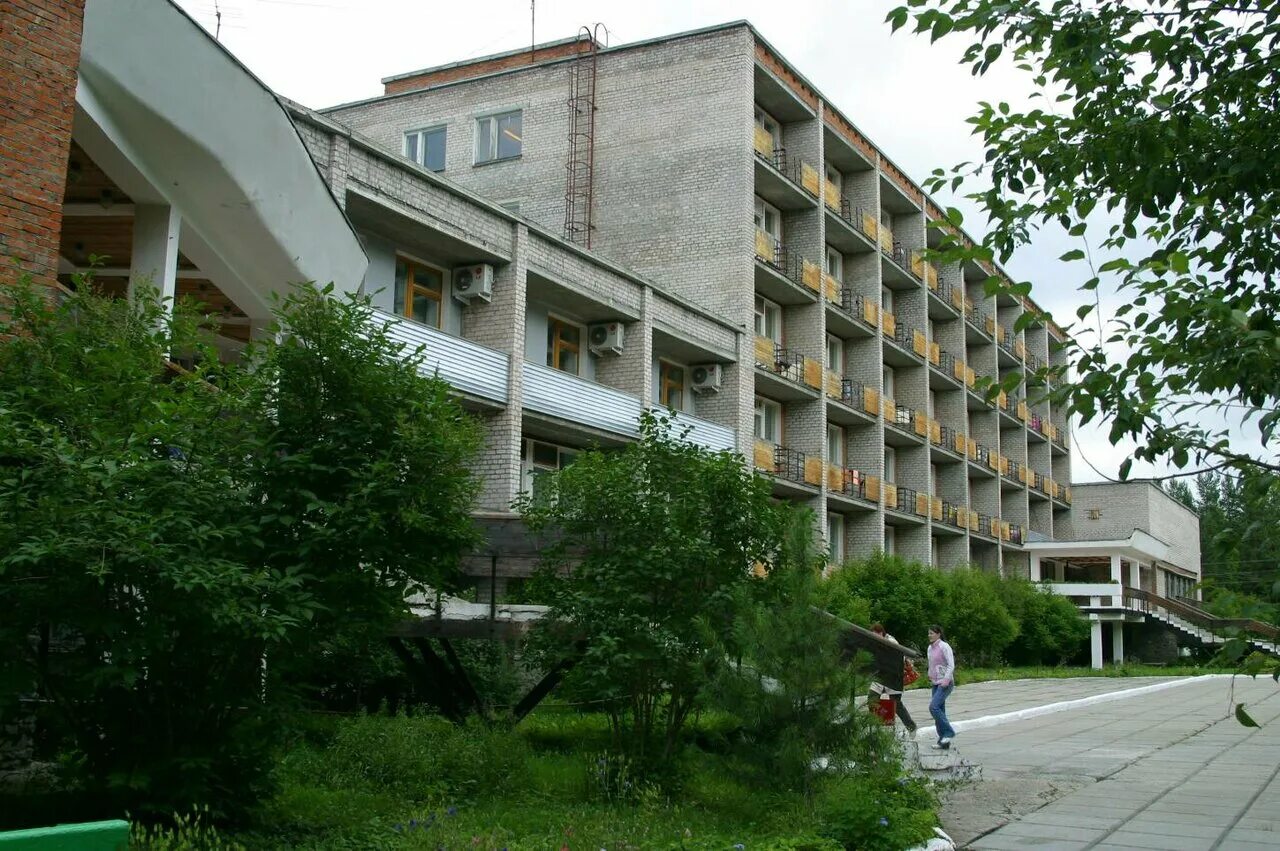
<point>706,162</point>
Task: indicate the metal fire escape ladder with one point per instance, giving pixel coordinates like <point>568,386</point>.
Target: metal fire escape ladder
<point>580,164</point>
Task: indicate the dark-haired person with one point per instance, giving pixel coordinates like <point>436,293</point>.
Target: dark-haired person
<point>903,715</point>
<point>942,672</point>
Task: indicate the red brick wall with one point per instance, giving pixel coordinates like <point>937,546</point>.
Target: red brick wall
<point>39,53</point>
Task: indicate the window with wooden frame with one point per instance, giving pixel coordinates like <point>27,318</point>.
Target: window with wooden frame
<point>540,457</point>
<point>768,420</point>
<point>671,384</point>
<point>835,445</point>
<point>768,319</point>
<point>768,219</point>
<point>836,178</point>
<point>886,299</point>
<point>770,125</point>
<point>564,345</point>
<point>419,291</point>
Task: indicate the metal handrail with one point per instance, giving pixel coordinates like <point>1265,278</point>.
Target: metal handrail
<point>1145,601</point>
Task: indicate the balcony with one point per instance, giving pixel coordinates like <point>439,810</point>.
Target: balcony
<point>851,229</point>
<point>985,525</point>
<point>781,179</point>
<point>909,341</point>
<point>953,515</point>
<point>924,271</point>
<point>704,433</point>
<point>790,466</point>
<point>782,275</point>
<point>856,404</point>
<point>853,315</point>
<point>850,484</point>
<point>906,419</point>
<point>784,373</point>
<point>474,370</point>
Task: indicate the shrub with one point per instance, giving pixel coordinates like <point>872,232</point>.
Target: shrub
<point>977,624</point>
<point>1051,630</point>
<point>869,813</point>
<point>905,596</point>
<point>422,758</point>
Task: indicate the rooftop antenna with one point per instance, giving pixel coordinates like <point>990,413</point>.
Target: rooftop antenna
<point>217,16</point>
<point>533,41</point>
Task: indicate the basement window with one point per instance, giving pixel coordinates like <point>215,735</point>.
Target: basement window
<point>499,137</point>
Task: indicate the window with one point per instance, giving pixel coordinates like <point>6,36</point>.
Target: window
<point>768,421</point>
<point>426,147</point>
<point>671,385</point>
<point>418,291</point>
<point>933,332</point>
<point>886,299</point>
<point>835,445</point>
<point>890,464</point>
<point>886,376</point>
<point>539,458</point>
<point>835,537</point>
<point>770,125</point>
<point>835,354</point>
<point>886,218</point>
<point>890,540</point>
<point>564,345</point>
<point>936,554</point>
<point>933,403</point>
<point>933,479</point>
<point>835,264</point>
<point>768,319</point>
<point>836,178</point>
<point>498,137</point>
<point>768,219</point>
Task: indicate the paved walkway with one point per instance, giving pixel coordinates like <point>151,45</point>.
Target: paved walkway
<point>1165,770</point>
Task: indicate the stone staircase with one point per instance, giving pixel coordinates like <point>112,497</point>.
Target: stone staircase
<point>1207,628</point>
<point>1208,636</point>
<point>938,765</point>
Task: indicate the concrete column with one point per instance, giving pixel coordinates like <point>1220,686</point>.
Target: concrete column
<point>1135,575</point>
<point>1035,567</point>
<point>155,249</point>
<point>1115,568</point>
<point>1095,644</point>
<point>1117,642</point>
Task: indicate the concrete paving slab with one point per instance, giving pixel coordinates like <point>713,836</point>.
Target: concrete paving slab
<point>1132,839</point>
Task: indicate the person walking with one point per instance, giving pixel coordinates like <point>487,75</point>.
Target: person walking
<point>903,715</point>
<point>942,672</point>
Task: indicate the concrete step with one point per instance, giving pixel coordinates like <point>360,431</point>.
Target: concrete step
<point>938,764</point>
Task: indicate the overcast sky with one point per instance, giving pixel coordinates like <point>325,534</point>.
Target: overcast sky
<point>910,97</point>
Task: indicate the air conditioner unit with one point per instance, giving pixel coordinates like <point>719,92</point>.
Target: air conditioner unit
<point>706,377</point>
<point>473,282</point>
<point>605,338</point>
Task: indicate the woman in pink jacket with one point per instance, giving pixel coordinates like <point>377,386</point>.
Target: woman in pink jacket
<point>942,672</point>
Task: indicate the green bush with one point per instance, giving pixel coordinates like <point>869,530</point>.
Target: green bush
<point>905,596</point>
<point>978,626</point>
<point>1051,630</point>
<point>870,813</point>
<point>422,758</point>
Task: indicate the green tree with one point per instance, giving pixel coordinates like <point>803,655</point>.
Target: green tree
<point>136,604</point>
<point>792,686</point>
<point>977,623</point>
<point>1163,114</point>
<point>1050,629</point>
<point>365,484</point>
<point>653,541</point>
<point>905,596</point>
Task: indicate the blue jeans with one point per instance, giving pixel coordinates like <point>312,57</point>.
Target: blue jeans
<point>938,709</point>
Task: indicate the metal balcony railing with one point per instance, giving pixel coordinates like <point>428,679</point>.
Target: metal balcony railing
<point>948,435</point>
<point>899,254</point>
<point>1060,440</point>
<point>910,503</point>
<point>1015,533</point>
<point>904,417</point>
<point>981,319</point>
<point>852,392</point>
<point>1014,470</point>
<point>779,257</point>
<point>789,464</point>
<point>789,364</point>
<point>904,336</point>
<point>947,363</point>
<point>986,526</point>
<point>982,455</point>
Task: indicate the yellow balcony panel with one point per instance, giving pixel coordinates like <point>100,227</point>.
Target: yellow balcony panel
<point>993,460</point>
<point>991,325</point>
<point>809,178</point>
<point>813,373</point>
<point>1020,349</point>
<point>922,424</point>
<point>811,274</point>
<point>970,376</point>
<point>1066,495</point>
<point>890,495</point>
<point>831,288</point>
<point>831,195</point>
<point>766,350</point>
<point>922,504</point>
<point>935,354</point>
<point>871,485</point>
<point>762,456</point>
<point>973,521</point>
<point>935,507</point>
<point>917,264</point>
<point>960,444</point>
<point>870,226</point>
<point>935,432</point>
<point>835,477</point>
<point>889,409</point>
<point>973,449</point>
<point>958,299</point>
<point>831,383</point>
<point>931,276</point>
<point>1002,400</point>
<point>764,246</point>
<point>813,471</point>
<point>870,313</point>
<point>763,141</point>
<point>1022,411</point>
<point>957,369</point>
<point>888,323</point>
<point>886,238</point>
<point>1051,431</point>
<point>920,344</point>
<point>968,306</point>
<point>870,400</point>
